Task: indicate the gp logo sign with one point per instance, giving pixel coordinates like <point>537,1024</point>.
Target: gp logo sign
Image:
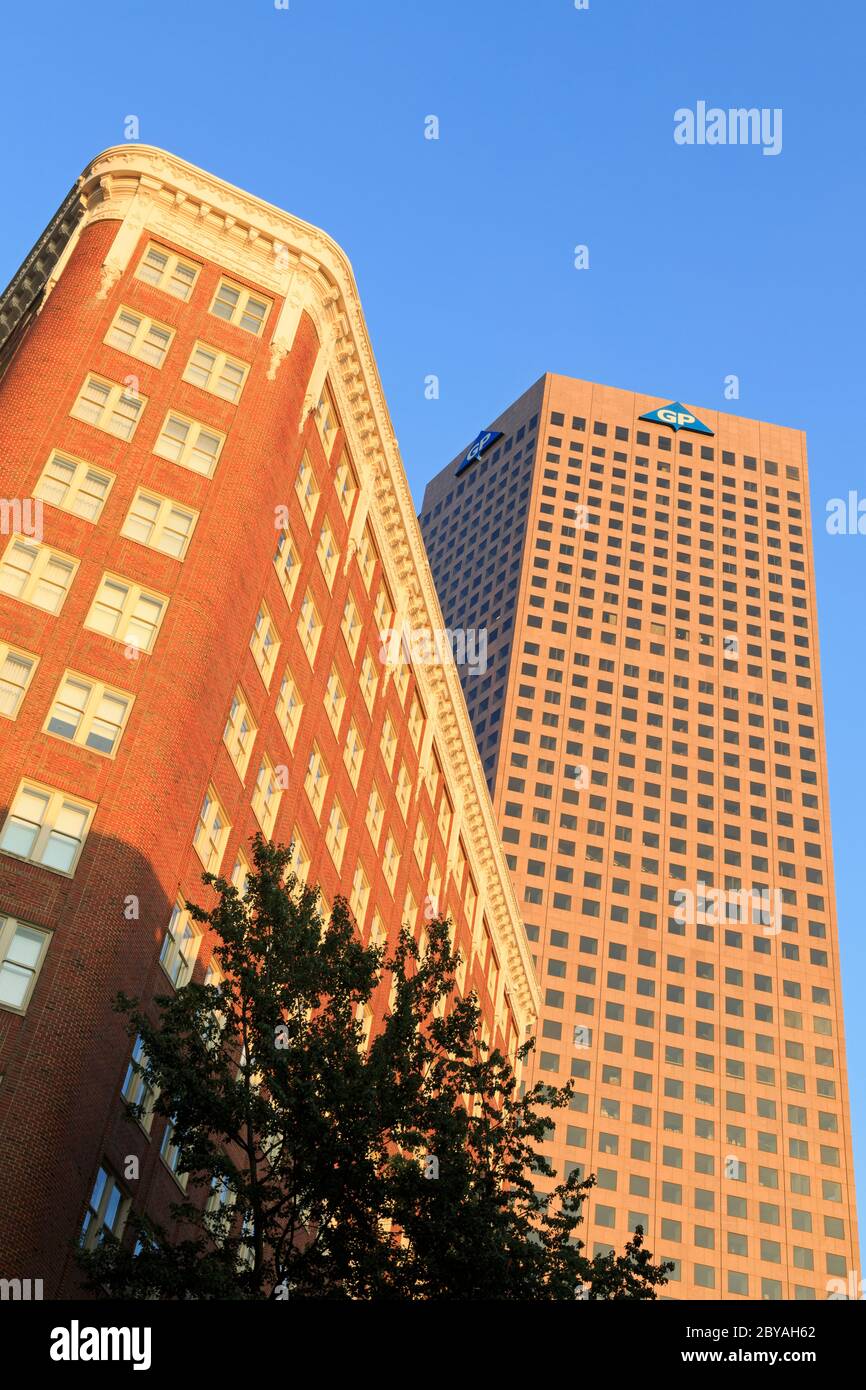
<point>477,448</point>
<point>677,417</point>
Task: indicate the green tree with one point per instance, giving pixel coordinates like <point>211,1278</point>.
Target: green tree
<point>402,1170</point>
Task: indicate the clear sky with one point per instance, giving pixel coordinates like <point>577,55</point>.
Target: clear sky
<point>555,129</point>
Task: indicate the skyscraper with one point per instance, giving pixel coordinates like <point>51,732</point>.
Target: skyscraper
<point>651,727</point>
<point>206,527</point>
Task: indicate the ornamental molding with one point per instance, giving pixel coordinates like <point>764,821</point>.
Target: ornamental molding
<point>146,187</point>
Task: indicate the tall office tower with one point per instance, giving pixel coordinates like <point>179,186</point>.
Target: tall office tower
<point>208,526</point>
<point>650,722</point>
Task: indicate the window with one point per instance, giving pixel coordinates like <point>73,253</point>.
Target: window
<point>240,732</point>
<point>135,1089</point>
<point>351,627</point>
<point>240,306</point>
<point>180,945</point>
<point>189,444</point>
<point>289,708</point>
<point>375,815</point>
<point>36,574</point>
<point>267,795</point>
<point>216,372</point>
<point>167,271</point>
<point>109,407</point>
<point>239,876</point>
<point>299,863</point>
<point>73,486</point>
<point>287,563</point>
<point>309,626</point>
<point>139,336</point>
<point>366,558</point>
<point>159,523</point>
<point>369,680</point>
<point>106,1211</point>
<point>316,780</point>
<point>335,836</point>
<point>388,743</point>
<point>22,951</point>
<point>346,485</point>
<point>359,895</point>
<point>16,673</point>
<point>264,644</point>
<point>211,832</point>
<point>403,790</point>
<point>46,827</point>
<point>328,554</point>
<point>391,862</point>
<point>169,1152</point>
<point>326,420</point>
<point>335,700</point>
<point>88,713</point>
<point>126,612</point>
<point>353,753</point>
<point>307,489</point>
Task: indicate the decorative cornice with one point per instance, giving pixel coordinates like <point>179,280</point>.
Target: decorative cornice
<point>299,262</point>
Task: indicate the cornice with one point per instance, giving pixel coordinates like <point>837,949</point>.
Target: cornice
<point>300,262</point>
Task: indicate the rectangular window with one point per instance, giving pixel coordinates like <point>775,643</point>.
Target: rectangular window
<point>109,406</point>
<point>265,644</point>
<point>353,753</point>
<point>267,796</point>
<point>366,558</point>
<point>289,708</point>
<point>159,523</point>
<point>189,444</point>
<point>391,862</point>
<point>309,627</point>
<point>74,486</point>
<point>22,951</point>
<point>47,827</point>
<point>167,271</point>
<point>369,681</point>
<point>335,700</point>
<point>346,484</point>
<point>135,1090</point>
<point>126,613</point>
<point>360,895</point>
<point>335,836</point>
<point>216,372</point>
<point>240,306</point>
<point>106,1211</point>
<point>287,563</point>
<point>16,673</point>
<point>307,489</point>
<point>299,864</point>
<point>375,815</point>
<point>139,336</point>
<point>240,732</point>
<point>316,780</point>
<point>180,945</point>
<point>326,420</point>
<point>88,713</point>
<point>169,1152</point>
<point>36,574</point>
<point>328,554</point>
<point>211,832</point>
<point>351,627</point>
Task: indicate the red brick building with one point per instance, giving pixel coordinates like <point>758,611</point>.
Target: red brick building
<point>206,526</point>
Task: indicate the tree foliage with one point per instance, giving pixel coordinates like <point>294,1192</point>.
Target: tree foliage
<point>406,1169</point>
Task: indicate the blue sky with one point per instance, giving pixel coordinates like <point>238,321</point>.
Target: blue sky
<point>556,128</point>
